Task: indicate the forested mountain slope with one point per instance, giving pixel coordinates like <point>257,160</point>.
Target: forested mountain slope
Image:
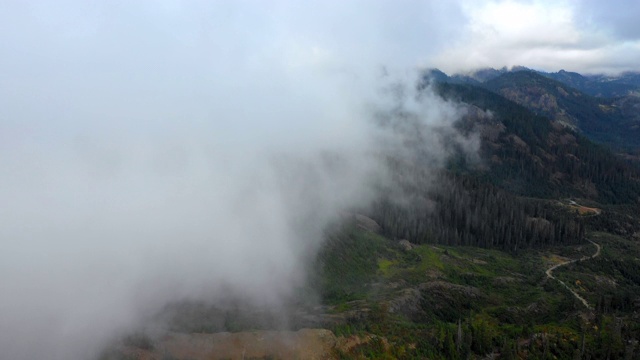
<point>533,156</point>
<point>503,200</point>
<point>605,109</point>
<point>599,85</point>
<point>610,121</point>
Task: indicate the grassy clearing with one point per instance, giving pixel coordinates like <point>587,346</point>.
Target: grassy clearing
<point>498,300</point>
<point>384,265</point>
<point>611,281</point>
<point>506,283</point>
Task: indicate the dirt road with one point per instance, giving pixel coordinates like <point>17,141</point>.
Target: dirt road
<point>549,273</point>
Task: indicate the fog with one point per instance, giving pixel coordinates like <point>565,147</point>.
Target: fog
<point>154,154</point>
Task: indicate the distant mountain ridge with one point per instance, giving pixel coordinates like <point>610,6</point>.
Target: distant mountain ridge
<point>599,85</point>
<point>613,121</point>
<point>531,155</point>
<point>603,120</point>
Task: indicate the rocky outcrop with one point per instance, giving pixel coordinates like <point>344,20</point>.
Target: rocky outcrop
<point>406,245</point>
<point>361,221</point>
<point>367,223</point>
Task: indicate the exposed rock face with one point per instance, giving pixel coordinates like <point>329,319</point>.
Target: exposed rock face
<point>406,245</point>
<point>361,221</point>
<point>302,344</point>
<point>410,301</point>
<point>407,303</point>
<point>445,289</point>
<point>367,223</point>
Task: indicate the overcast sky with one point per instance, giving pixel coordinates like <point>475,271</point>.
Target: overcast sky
<point>157,150</point>
<point>94,37</point>
<point>587,36</point>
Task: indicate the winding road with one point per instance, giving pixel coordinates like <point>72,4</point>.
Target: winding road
<point>549,273</point>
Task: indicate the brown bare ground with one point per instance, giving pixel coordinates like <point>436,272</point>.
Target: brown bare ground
<point>302,344</point>
<point>583,210</point>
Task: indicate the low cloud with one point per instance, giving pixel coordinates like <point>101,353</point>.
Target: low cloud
<point>154,155</point>
<point>588,37</point>
<point>102,232</point>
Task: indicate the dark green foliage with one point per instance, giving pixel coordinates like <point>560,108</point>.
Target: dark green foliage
<point>604,109</point>
<point>463,210</point>
<point>472,206</point>
<point>601,120</point>
<point>469,312</point>
<point>620,220</point>
<point>348,263</point>
<point>499,303</point>
<point>556,162</point>
<point>506,306</point>
<point>599,85</point>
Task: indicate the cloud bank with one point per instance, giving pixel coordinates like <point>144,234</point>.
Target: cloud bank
<point>156,153</point>
<point>153,152</point>
<point>583,36</point>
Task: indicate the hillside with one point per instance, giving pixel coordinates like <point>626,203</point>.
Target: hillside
<point>609,121</point>
<point>386,299</point>
<point>604,109</point>
<point>599,85</point>
<point>502,201</point>
<point>532,156</point>
<point>594,85</point>
<point>459,269</point>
